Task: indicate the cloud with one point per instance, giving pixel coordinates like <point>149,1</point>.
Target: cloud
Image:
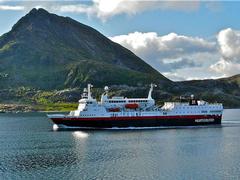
<point>170,45</point>
<point>169,52</point>
<point>229,48</point>
<point>179,56</point>
<point>11,8</point>
<point>180,63</point>
<point>229,41</point>
<point>105,9</point>
<point>226,68</point>
<point>174,75</point>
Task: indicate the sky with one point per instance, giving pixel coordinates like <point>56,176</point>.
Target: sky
<point>183,40</point>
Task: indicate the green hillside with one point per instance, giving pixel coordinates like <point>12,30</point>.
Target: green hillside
<point>47,51</point>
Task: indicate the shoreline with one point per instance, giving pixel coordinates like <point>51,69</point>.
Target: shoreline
<point>47,108</point>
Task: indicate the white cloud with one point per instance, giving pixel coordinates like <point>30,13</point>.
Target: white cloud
<point>174,76</point>
<point>229,41</point>
<point>229,44</point>
<point>11,8</point>
<point>170,45</point>
<point>195,73</point>
<point>179,56</point>
<point>105,9</point>
<point>169,52</point>
<point>226,68</point>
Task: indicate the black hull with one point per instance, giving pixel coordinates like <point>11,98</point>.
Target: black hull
<point>153,122</point>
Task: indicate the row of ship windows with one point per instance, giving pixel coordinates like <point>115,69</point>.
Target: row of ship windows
<point>215,111</point>
<point>198,112</point>
<point>88,115</point>
<point>194,107</point>
<point>116,101</point>
<point>187,112</point>
<point>131,101</point>
<point>85,103</point>
<point>137,101</point>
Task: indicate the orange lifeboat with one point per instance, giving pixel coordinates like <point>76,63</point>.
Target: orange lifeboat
<point>114,109</point>
<point>132,106</point>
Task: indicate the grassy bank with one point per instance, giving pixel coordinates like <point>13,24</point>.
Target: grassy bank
<point>63,107</point>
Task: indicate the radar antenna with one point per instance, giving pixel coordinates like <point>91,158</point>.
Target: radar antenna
<point>84,94</point>
<point>106,89</point>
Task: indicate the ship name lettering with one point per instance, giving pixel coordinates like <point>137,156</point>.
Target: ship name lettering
<point>204,120</point>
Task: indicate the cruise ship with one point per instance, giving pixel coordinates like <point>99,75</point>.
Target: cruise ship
<point>122,112</point>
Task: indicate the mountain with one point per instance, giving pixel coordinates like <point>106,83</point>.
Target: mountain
<point>46,51</point>
<point>46,59</point>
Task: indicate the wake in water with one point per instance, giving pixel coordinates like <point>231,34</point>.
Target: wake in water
<point>231,123</point>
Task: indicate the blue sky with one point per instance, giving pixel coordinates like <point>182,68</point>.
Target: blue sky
<point>183,40</point>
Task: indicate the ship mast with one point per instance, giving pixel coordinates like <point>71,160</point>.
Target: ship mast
<point>89,91</point>
<point>150,91</point>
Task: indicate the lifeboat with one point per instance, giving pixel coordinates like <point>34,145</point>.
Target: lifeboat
<point>132,106</point>
<point>114,109</point>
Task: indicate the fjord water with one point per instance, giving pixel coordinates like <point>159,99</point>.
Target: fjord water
<point>30,149</point>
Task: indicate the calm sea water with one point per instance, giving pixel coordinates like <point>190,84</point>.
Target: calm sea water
<point>30,149</point>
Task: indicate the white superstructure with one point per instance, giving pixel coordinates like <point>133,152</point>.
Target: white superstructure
<point>139,107</point>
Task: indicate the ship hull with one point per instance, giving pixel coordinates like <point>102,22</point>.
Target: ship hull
<point>126,122</point>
